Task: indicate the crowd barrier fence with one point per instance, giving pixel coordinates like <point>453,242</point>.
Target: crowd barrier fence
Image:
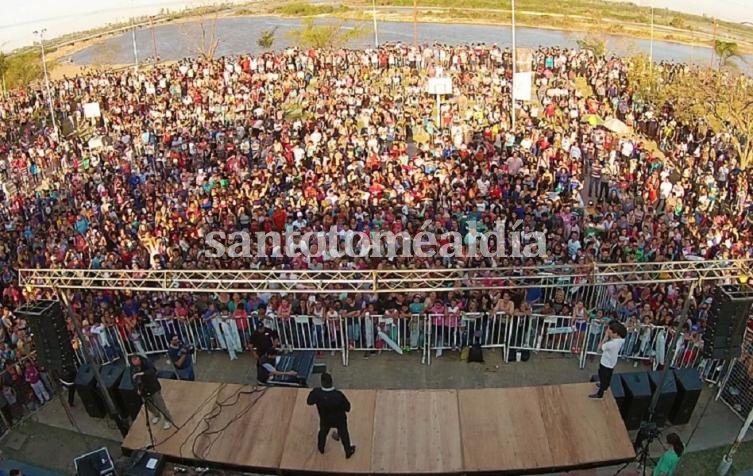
<point>19,399</point>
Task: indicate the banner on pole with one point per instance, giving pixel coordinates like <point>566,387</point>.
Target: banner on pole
<point>523,60</point>
<point>521,86</point>
<point>439,86</point>
<point>91,110</point>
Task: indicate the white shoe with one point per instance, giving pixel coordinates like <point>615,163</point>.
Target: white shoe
<point>155,420</point>
<point>167,425</point>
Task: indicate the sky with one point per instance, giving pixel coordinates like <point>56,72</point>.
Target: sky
<point>21,17</point>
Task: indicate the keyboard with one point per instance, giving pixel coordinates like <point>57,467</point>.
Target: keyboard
<point>301,362</point>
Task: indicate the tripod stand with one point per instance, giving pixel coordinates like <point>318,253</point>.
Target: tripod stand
<point>646,435</point>
<point>149,404</point>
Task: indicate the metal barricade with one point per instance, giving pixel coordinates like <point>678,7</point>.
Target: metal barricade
<point>643,342</point>
<point>101,343</point>
<point>21,399</point>
<point>377,332</point>
<point>304,332</point>
<point>455,331</point>
<point>548,333</point>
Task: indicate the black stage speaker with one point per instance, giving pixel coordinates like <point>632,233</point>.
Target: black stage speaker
<point>141,462</point>
<point>96,463</point>
<point>689,388</point>
<point>111,377</point>
<point>667,395</point>
<point>618,391</point>
<point>637,398</point>
<point>727,318</point>
<point>49,333</point>
<point>128,394</point>
<point>86,386</point>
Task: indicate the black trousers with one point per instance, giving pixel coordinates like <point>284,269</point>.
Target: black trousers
<point>71,395</point>
<point>605,379</point>
<point>342,431</point>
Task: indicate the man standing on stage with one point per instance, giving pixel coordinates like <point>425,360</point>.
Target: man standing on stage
<point>333,407</point>
<point>144,376</point>
<point>610,351</point>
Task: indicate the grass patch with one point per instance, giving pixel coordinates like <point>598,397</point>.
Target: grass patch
<point>705,462</point>
<point>300,9</point>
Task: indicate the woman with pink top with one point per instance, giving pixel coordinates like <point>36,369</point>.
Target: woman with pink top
<point>33,378</point>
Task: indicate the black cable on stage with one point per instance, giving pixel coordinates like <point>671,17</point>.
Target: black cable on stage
<point>220,405</point>
<point>207,432</point>
<point>216,406</point>
<point>177,430</point>
<point>203,419</point>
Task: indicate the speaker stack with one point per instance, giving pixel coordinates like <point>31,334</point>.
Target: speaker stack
<point>637,398</point>
<point>50,335</point>
<point>678,396</point>
<point>88,390</point>
<point>727,318</point>
<point>689,388</point>
<point>667,395</point>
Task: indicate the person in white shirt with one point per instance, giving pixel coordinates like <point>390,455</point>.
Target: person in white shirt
<point>610,347</point>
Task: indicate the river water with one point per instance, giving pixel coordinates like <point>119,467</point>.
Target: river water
<point>238,35</point>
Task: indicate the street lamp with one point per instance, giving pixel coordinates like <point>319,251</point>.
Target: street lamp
<point>514,59</point>
<point>374,13</point>
<point>40,35</point>
<point>651,48</point>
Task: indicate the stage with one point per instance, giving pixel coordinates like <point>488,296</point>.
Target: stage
<point>511,430</point>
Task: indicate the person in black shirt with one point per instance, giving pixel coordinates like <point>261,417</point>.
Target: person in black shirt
<point>144,376</point>
<point>333,407</point>
<point>263,340</point>
<point>68,379</point>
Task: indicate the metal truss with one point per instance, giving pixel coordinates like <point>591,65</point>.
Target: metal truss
<point>385,281</point>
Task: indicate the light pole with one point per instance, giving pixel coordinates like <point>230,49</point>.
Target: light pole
<point>373,16</point>
<point>135,50</point>
<point>40,34</point>
<point>154,37</point>
<point>651,47</point>
<point>514,59</point>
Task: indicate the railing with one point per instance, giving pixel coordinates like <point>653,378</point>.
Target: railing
<point>432,333</point>
<point>19,399</point>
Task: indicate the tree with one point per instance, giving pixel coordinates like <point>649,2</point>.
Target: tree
<point>22,69</point>
<point>596,45</point>
<point>327,35</point>
<point>722,98</point>
<point>266,39</point>
<point>205,41</point>
<point>3,69</point>
<point>726,52</point>
<point>645,79</point>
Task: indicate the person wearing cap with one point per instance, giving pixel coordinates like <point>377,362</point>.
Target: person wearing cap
<point>610,345</point>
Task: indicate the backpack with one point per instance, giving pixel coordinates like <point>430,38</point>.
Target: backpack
<point>476,354</point>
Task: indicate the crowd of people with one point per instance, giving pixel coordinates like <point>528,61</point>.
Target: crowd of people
<point>306,139</point>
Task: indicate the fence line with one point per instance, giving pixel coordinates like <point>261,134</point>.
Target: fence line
<point>20,399</point>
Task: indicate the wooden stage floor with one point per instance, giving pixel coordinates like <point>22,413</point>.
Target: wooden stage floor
<point>512,430</point>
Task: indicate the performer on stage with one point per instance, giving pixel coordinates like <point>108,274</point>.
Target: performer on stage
<point>610,347</point>
<point>333,407</point>
<point>144,376</point>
